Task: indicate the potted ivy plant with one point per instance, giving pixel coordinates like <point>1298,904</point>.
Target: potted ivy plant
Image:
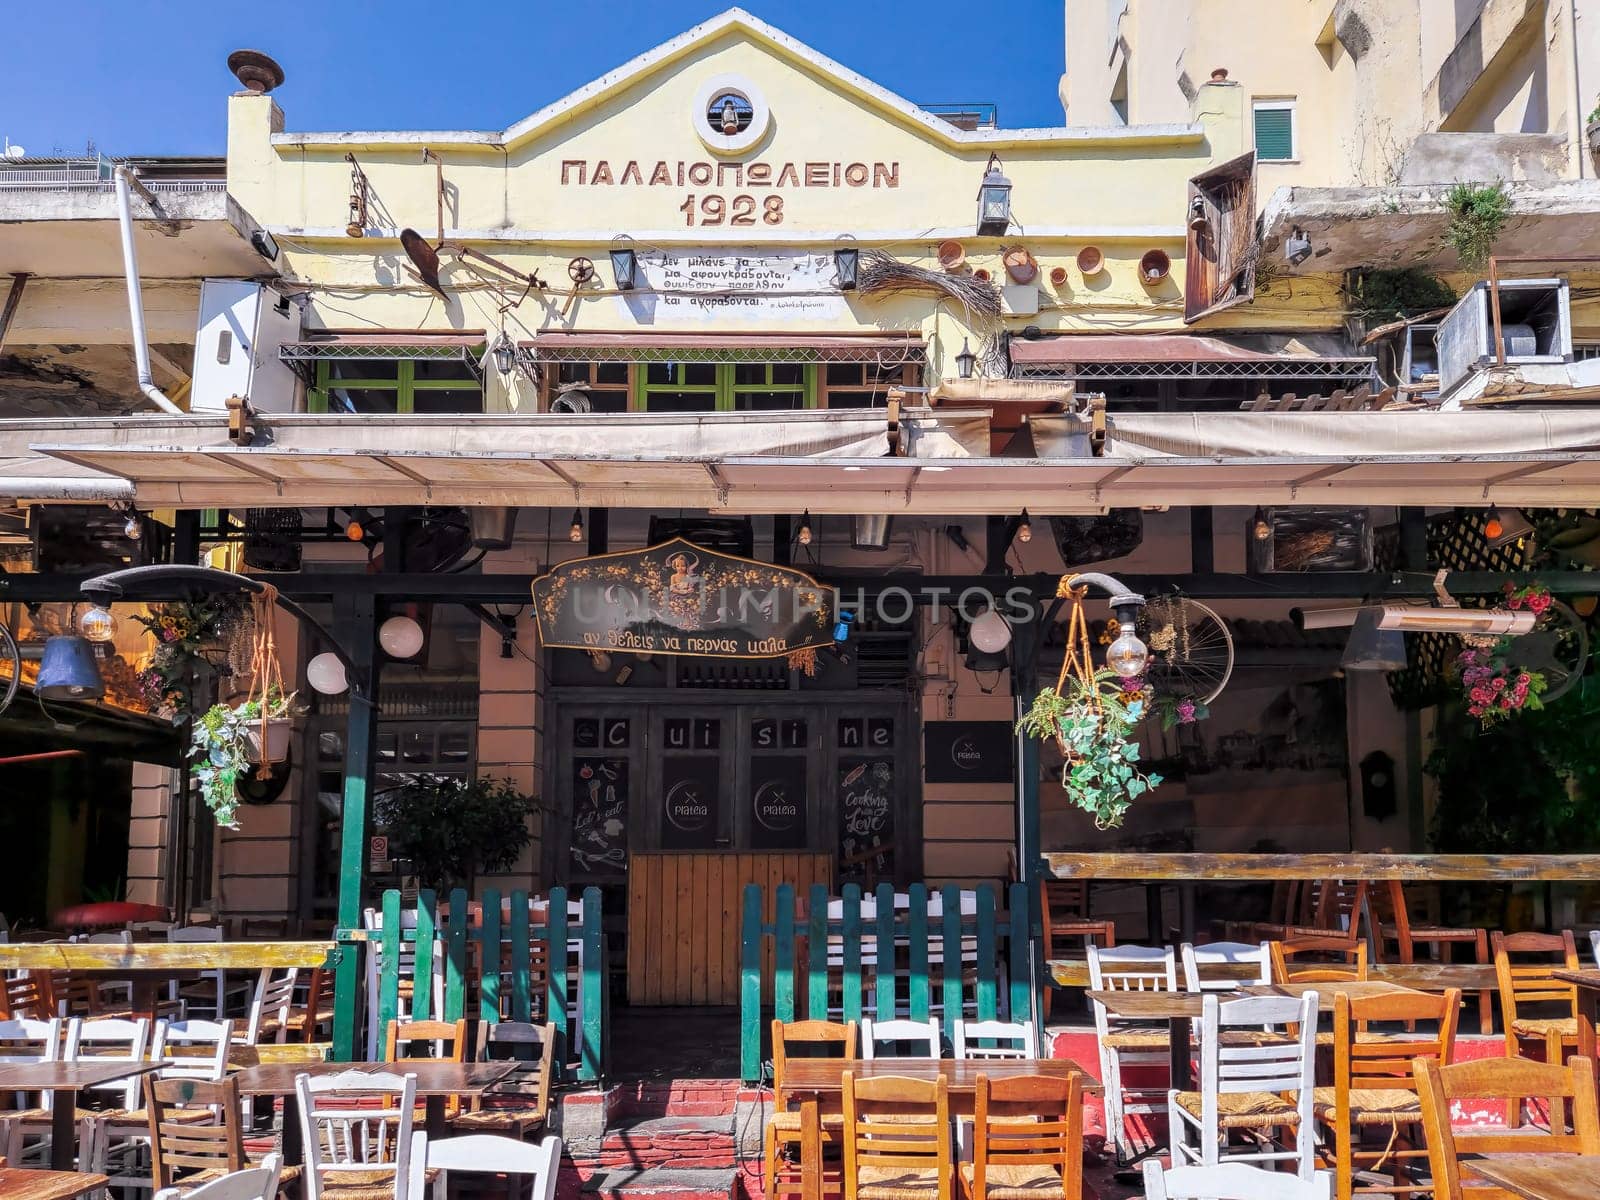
<point>1093,722</point>
<point>228,742</point>
<point>450,828</point>
<point>1591,131</point>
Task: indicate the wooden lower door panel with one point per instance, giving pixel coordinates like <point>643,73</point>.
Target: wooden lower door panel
<point>683,920</point>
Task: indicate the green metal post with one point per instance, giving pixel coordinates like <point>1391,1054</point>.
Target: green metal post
<point>358,631</point>
<point>591,1059</point>
<point>750,986</point>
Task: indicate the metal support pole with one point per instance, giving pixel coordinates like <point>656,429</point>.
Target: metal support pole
<point>358,624</point>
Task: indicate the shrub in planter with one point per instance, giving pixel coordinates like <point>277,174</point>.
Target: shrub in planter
<point>227,745</point>
<point>450,828</point>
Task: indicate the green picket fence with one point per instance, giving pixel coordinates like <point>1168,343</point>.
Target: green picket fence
<point>505,948</point>
<point>815,968</point>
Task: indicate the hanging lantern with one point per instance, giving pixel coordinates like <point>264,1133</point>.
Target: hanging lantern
<point>994,201</point>
<point>966,360</point>
<point>68,670</point>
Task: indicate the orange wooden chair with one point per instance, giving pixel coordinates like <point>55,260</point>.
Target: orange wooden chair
<point>897,1143</point>
<point>1374,1086</point>
<point>1027,1139</point>
<point>519,1104</point>
<point>1348,963</point>
<point>1064,909</point>
<point>1392,925</point>
<point>1569,1090</point>
<point>1538,1009</point>
<point>403,1040</point>
<point>814,1039</point>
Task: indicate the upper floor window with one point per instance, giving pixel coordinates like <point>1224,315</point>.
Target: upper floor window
<point>748,386</point>
<point>395,385</point>
<point>1275,131</point>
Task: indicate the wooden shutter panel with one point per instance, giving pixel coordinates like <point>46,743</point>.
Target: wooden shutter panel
<point>1222,241</point>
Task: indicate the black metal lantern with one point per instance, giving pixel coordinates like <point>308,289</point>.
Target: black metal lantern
<point>845,263</point>
<point>625,269</point>
<point>505,354</point>
<point>994,201</point>
<point>966,360</point>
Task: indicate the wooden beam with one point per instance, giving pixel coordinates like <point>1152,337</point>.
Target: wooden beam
<point>162,956</point>
<point>13,300</point>
<point>1411,868</point>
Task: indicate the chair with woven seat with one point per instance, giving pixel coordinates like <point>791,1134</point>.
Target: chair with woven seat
<point>520,1103</point>
<point>26,994</point>
<point>1374,1087</point>
<point>27,1040</point>
<point>883,1039</point>
<point>1027,1139</point>
<point>1538,1009</point>
<point>1392,925</point>
<point>1246,1085</point>
<point>252,1183</point>
<point>1568,1090</point>
<point>356,1129</point>
<point>486,1154</point>
<point>271,1004</point>
<point>427,1041</point>
<point>799,1039</point>
<point>1125,1043</point>
<point>1231,1181</point>
<point>196,1134</point>
<point>1339,916</point>
<point>1305,960</point>
<point>995,1039</point>
<point>1223,966</point>
<point>104,1039</point>
<point>1064,912</point>
<point>896,1135</point>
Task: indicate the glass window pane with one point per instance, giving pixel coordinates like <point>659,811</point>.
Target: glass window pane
<point>362,400</point>
<point>330,747</point>
<point>680,402</point>
<point>790,373</point>
<point>451,401</point>
<point>843,373</point>
<point>572,372</point>
<point>749,373</point>
<point>659,372</point>
<point>856,399</point>
<point>700,374</point>
<point>611,372</point>
<point>608,402</point>
<point>768,401</point>
<point>417,746</point>
<point>363,368</point>
<point>455,746</point>
<point>442,368</point>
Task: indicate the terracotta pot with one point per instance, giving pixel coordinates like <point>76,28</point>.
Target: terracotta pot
<point>952,255</point>
<point>1091,261</point>
<point>277,749</point>
<point>982,274</point>
<point>1020,265</point>
<point>1058,276</point>
<point>1154,267</point>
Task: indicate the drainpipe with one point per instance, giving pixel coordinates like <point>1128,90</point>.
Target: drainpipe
<point>1579,147</point>
<point>130,266</point>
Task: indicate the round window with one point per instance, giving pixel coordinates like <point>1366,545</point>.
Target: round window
<point>730,114</point>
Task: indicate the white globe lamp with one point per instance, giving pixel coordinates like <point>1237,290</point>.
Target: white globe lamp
<point>400,637</point>
<point>990,633</point>
<point>325,674</point>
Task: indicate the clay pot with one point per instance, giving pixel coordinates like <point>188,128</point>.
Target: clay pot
<point>981,273</point>
<point>1154,267</point>
<point>1020,265</point>
<point>1058,277</point>
<point>952,255</point>
<point>1090,261</point>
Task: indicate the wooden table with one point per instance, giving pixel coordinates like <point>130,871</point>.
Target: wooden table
<point>19,1184</point>
<point>1326,990</point>
<point>1432,977</point>
<point>436,1083</point>
<point>818,1083</point>
<point>1540,1176</point>
<point>1588,984</point>
<point>63,1080</point>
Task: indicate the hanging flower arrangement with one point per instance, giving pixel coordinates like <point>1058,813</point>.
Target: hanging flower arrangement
<point>184,632</point>
<point>1092,716</point>
<point>1532,597</point>
<point>1495,687</point>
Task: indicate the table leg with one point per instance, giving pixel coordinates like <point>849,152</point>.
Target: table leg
<point>1178,1035</point>
<point>1153,919</point>
<point>64,1130</point>
<point>293,1152</point>
<point>435,1122</point>
<point>1186,910</point>
<point>1587,1004</point>
<point>810,1149</point>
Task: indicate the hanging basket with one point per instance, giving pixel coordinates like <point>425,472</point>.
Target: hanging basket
<point>276,741</point>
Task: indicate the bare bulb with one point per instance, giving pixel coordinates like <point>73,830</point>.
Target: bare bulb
<point>97,624</point>
<point>133,529</point>
<point>575,534</point>
<point>1025,530</point>
<point>1127,655</point>
<point>804,536</point>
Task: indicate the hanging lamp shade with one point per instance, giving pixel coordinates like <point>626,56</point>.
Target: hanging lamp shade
<point>68,670</point>
<point>1373,649</point>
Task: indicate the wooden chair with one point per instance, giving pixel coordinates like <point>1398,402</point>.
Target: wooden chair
<point>828,1039</point>
<point>196,1134</point>
<point>1027,1140</point>
<point>1245,1082</point>
<point>1230,1181</point>
<point>1349,965</point>
<point>995,1039</point>
<point>1234,958</point>
<point>27,1040</point>
<point>1569,1090</point>
<point>520,1103</point>
<point>1064,908</point>
<point>486,1153</point>
<point>896,1136</point>
<point>427,1041</point>
<point>271,1005</point>
<point>1374,1088</point>
<point>27,995</point>
<point>1131,1043</point>
<point>356,1130</point>
<point>1529,986</point>
<point>1392,924</point>
<point>253,1183</point>
<point>922,1036</point>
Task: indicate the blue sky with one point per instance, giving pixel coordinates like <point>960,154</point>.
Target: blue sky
<point>150,76</point>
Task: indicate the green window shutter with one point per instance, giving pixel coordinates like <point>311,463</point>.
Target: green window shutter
<point>1274,134</point>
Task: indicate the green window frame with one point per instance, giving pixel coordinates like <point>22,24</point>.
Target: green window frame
<point>1274,130</point>
<point>725,393</point>
<point>405,385</point>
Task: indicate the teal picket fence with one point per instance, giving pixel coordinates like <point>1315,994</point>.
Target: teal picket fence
<point>495,961</point>
<point>807,962</point>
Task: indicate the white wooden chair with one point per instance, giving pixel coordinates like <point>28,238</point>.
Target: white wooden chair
<point>1196,960</point>
<point>1131,1043</point>
<point>1007,1039</point>
<point>1231,1181</point>
<point>356,1126</point>
<point>485,1153</point>
<point>372,920</point>
<point>253,1183</point>
<point>1594,945</point>
<point>922,1036</point>
<point>199,995</point>
<point>270,1006</point>
<point>23,1040</point>
<point>1243,1082</point>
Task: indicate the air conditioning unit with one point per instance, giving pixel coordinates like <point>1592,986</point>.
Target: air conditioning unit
<point>242,324</point>
<point>1535,320</point>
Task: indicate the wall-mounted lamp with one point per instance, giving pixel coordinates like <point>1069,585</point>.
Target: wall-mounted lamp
<point>845,263</point>
<point>1197,214</point>
<point>625,269</point>
<point>266,245</point>
<point>505,354</point>
<point>1501,528</point>
<point>994,201</point>
<point>966,360</point>
<point>1297,247</point>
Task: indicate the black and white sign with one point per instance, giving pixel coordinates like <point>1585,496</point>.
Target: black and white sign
<point>689,802</point>
<point>968,751</point>
<point>778,802</point>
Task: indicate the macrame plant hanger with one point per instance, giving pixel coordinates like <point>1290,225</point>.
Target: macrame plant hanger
<point>1078,661</point>
<point>266,676</point>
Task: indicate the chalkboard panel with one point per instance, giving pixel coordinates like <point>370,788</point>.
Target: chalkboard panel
<point>866,819</point>
<point>690,800</point>
<point>599,815</point>
<point>778,802</point>
<point>967,751</point>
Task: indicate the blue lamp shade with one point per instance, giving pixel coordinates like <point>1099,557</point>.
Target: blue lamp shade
<point>68,670</point>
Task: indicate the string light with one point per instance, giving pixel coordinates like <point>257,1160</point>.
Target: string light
<point>1025,529</point>
<point>804,536</point>
<point>575,534</point>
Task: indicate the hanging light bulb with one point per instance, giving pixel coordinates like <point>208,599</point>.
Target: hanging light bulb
<point>133,528</point>
<point>97,624</point>
<point>353,530</point>
<point>1025,529</point>
<point>1127,655</point>
<point>804,536</point>
<point>575,534</point>
<point>1260,527</point>
<point>1493,526</point>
